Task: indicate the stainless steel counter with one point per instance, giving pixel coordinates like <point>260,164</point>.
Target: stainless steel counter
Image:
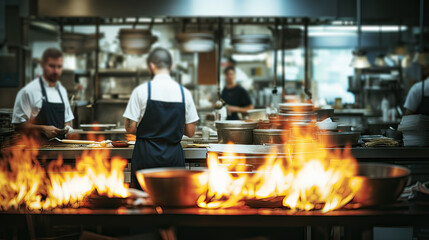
<point>193,154</point>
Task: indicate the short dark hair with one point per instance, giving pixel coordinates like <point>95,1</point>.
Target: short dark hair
<point>161,57</point>
<point>227,69</point>
<point>231,60</point>
<point>51,53</point>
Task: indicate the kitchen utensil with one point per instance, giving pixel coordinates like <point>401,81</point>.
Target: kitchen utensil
<point>173,187</point>
<point>380,183</point>
<point>235,131</point>
<point>271,136</point>
<point>73,141</point>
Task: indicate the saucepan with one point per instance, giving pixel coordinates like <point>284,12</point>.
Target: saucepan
<point>173,187</point>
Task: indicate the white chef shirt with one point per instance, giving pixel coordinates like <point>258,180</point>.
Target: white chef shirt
<point>414,96</point>
<point>165,89</point>
<point>29,101</point>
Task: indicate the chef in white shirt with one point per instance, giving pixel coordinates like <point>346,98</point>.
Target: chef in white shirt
<point>42,105</point>
<point>159,112</point>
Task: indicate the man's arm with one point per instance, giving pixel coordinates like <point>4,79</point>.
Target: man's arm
<point>190,129</point>
<point>239,109</point>
<point>130,126</point>
<point>48,131</point>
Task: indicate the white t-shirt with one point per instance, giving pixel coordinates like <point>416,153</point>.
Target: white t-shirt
<point>165,89</point>
<point>414,96</point>
<point>29,101</point>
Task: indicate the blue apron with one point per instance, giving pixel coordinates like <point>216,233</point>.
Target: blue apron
<point>51,113</point>
<point>158,136</point>
<point>424,104</point>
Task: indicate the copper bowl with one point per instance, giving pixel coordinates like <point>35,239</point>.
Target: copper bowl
<point>380,183</point>
<point>173,187</point>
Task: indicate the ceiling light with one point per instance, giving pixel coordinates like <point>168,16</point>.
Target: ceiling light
<point>379,60</point>
<point>360,60</point>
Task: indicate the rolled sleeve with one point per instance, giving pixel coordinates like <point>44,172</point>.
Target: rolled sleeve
<point>191,114</point>
<point>414,98</point>
<point>22,108</point>
<point>134,109</point>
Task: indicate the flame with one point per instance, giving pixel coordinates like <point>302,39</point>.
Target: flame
<point>303,173</point>
<point>24,182</point>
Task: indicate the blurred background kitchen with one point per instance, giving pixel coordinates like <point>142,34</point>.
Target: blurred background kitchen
<point>304,49</point>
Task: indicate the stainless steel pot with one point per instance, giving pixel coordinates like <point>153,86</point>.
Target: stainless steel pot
<point>335,139</point>
<point>380,183</point>
<point>270,136</point>
<point>136,41</point>
<point>196,41</point>
<point>173,187</point>
<point>235,131</point>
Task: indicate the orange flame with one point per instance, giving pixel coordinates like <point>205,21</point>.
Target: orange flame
<point>304,174</point>
<point>24,182</point>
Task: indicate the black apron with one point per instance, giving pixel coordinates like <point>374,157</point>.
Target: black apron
<point>51,114</point>
<point>424,104</point>
<point>158,136</point>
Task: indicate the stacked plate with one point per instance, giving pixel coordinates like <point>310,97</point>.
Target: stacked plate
<point>251,43</point>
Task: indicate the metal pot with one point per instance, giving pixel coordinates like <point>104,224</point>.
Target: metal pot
<point>335,139</point>
<point>136,41</point>
<point>196,41</point>
<point>235,131</point>
<point>270,136</point>
<point>72,43</point>
<point>380,183</point>
<point>173,187</point>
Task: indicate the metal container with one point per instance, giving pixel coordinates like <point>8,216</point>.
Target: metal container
<point>257,114</point>
<point>72,43</point>
<point>337,139</point>
<point>196,41</point>
<point>380,183</point>
<point>235,131</point>
<point>136,41</point>
<point>173,187</point>
<point>270,136</point>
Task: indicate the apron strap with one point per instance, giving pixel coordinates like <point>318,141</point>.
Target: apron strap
<point>183,95</point>
<point>148,90</point>
<point>44,91</point>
